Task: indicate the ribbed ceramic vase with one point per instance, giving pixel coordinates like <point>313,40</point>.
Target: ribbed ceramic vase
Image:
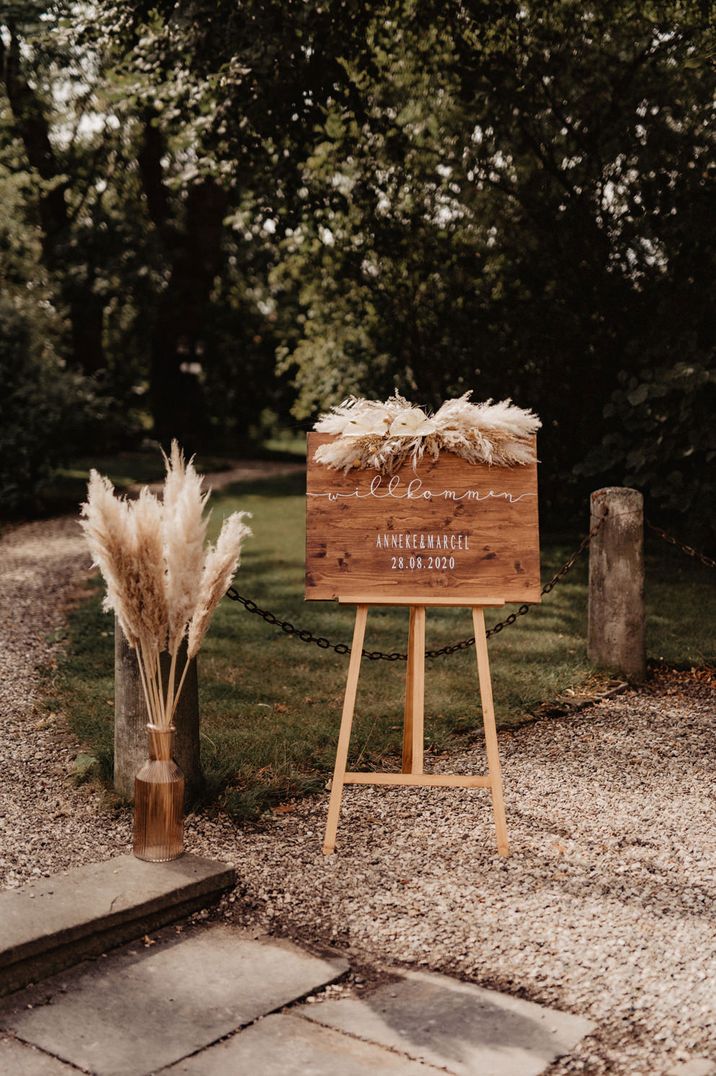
<point>159,801</point>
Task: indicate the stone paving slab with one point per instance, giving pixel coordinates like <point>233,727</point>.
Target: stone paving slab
<point>19,1059</point>
<point>55,922</point>
<point>286,1045</point>
<point>140,1011</point>
<point>456,1026</point>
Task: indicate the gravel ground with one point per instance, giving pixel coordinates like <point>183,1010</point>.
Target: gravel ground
<point>605,907</point>
<point>46,823</point>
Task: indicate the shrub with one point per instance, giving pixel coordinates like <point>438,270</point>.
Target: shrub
<point>662,440</point>
<point>44,410</point>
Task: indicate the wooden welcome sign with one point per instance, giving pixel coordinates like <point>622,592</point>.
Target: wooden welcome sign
<point>447,530</point>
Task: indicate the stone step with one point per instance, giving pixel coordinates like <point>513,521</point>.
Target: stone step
<point>53,923</point>
<point>145,1008</point>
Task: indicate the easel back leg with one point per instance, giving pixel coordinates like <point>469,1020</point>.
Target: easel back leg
<point>407,766</point>
<point>418,690</point>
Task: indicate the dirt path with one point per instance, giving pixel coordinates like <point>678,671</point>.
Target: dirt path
<point>47,824</point>
<point>247,471</point>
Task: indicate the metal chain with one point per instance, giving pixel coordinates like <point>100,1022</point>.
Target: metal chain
<point>688,549</point>
<point>307,636</point>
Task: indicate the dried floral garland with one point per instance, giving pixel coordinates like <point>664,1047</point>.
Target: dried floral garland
<point>383,436</point>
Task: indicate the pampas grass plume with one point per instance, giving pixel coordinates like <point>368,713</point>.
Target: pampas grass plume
<point>109,533</point>
<point>162,581</point>
<point>219,569</point>
<point>184,534</point>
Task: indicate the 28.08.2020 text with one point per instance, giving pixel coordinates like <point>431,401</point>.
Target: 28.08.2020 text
<point>439,564</point>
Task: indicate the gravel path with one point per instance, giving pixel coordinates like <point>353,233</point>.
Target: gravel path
<point>46,824</point>
<point>605,907</point>
<point>246,471</point>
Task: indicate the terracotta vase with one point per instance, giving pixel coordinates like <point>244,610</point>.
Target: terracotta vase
<point>159,801</point>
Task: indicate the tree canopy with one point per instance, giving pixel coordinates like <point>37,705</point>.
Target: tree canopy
<point>240,210</point>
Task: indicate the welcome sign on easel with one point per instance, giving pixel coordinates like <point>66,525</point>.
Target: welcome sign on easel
<point>409,509</point>
<point>448,529</point>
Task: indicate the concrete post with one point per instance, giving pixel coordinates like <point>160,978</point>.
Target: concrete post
<point>616,637</point>
<point>130,721</point>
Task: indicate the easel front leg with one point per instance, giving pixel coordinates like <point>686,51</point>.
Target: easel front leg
<point>344,737</point>
<point>408,709</point>
<point>488,720</point>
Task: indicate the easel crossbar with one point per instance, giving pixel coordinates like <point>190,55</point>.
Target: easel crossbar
<point>433,780</point>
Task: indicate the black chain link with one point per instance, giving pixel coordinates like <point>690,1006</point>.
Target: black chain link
<point>307,636</point>
<point>688,549</point>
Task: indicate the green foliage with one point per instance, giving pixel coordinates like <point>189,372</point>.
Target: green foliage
<point>43,410</point>
<point>662,439</point>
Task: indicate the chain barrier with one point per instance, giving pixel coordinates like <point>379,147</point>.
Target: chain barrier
<point>689,550</point>
<point>307,636</point>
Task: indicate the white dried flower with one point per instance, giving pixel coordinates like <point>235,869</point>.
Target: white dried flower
<point>412,423</point>
<point>108,529</point>
<point>369,422</point>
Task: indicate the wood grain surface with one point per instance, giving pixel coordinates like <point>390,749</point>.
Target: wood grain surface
<point>476,534</point>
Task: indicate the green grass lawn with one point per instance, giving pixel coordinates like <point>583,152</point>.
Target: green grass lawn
<point>271,704</point>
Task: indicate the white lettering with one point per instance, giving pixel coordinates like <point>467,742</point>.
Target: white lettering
<point>414,491</point>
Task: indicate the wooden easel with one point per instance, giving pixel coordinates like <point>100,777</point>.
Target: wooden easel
<point>412,770</point>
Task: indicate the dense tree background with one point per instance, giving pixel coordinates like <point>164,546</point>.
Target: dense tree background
<point>222,217</point>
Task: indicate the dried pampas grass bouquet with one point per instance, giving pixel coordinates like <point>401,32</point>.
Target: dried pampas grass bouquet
<point>163,580</point>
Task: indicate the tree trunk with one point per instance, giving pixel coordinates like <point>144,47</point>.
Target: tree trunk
<point>192,248</point>
<point>84,306</point>
<point>179,339</point>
